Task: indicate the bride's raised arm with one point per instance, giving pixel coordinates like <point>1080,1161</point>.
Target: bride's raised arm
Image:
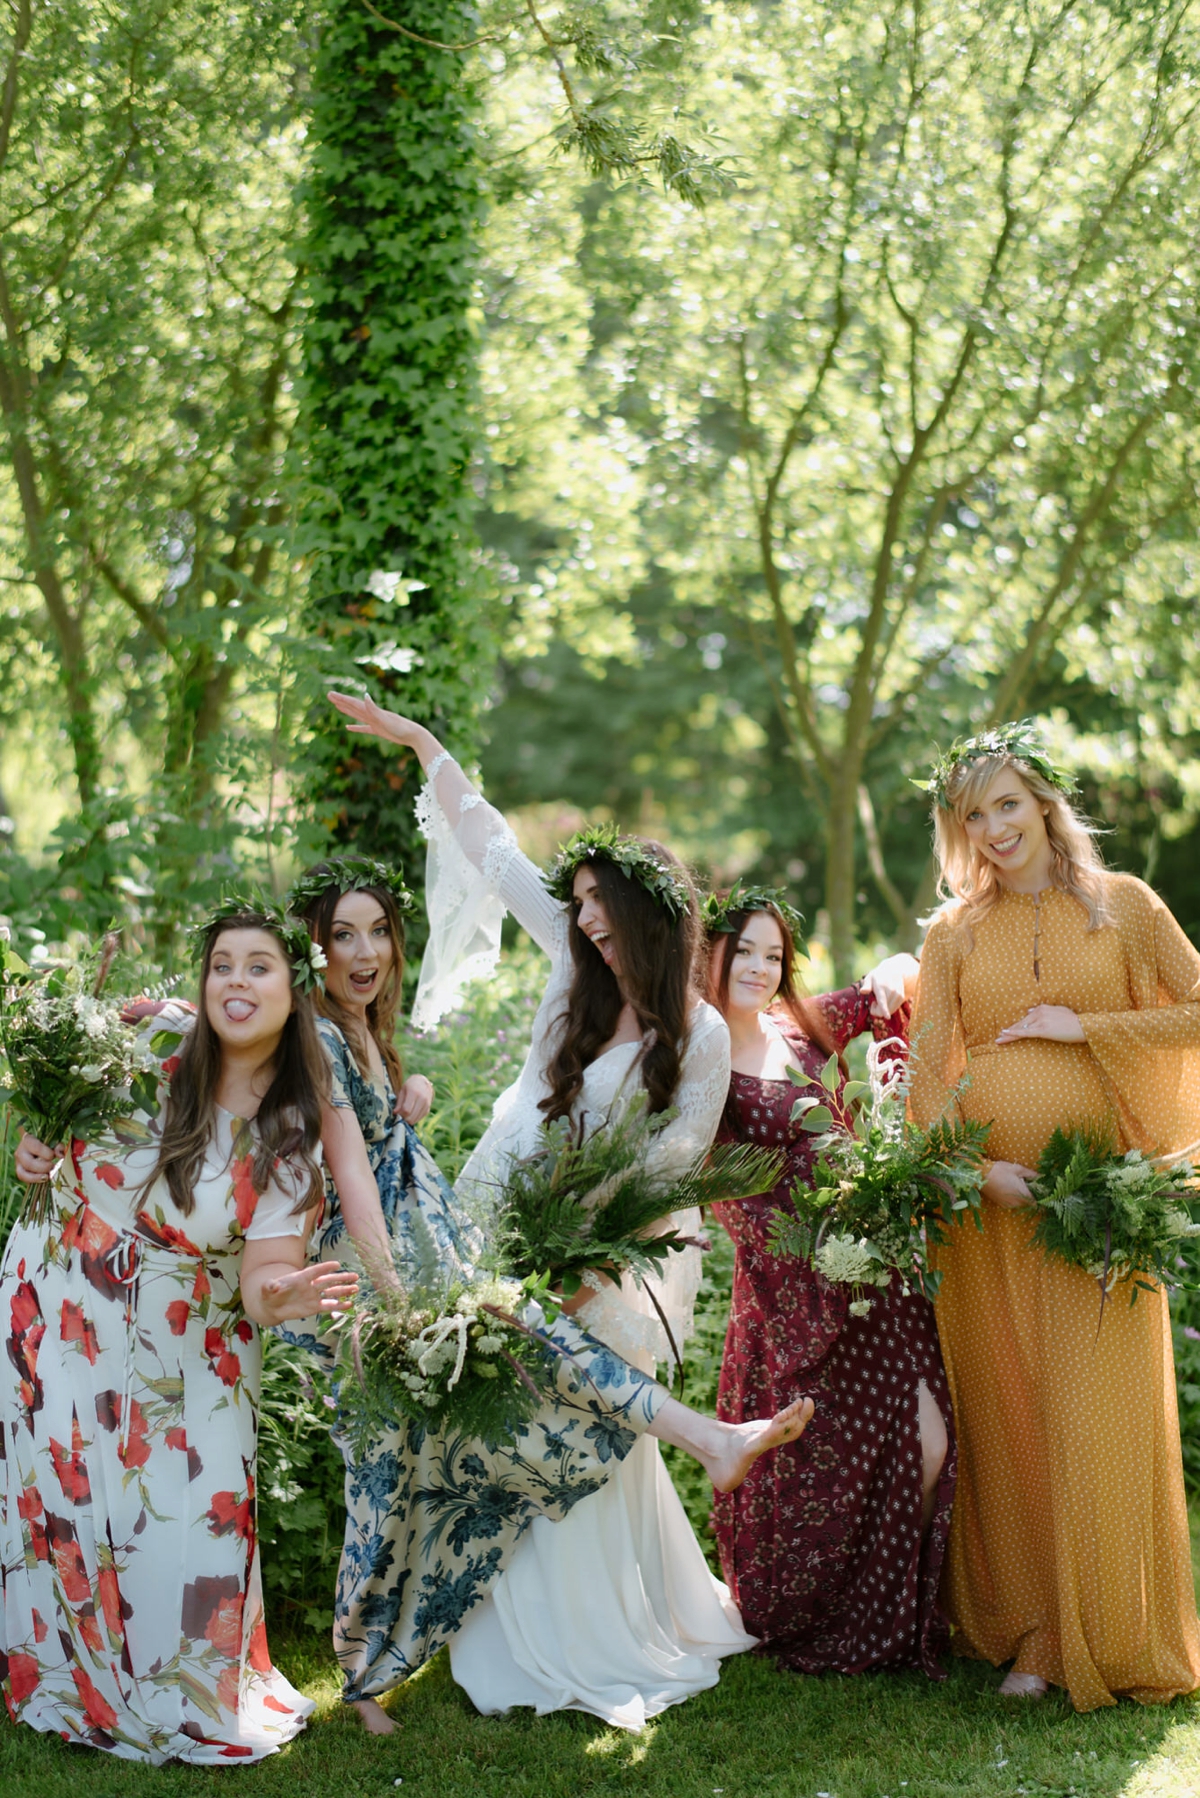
<point>475,869</point>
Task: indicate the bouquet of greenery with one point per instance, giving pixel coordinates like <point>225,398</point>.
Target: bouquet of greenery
<point>72,1066</point>
<point>469,1347</point>
<point>1119,1217</point>
<point>466,1350</point>
<point>885,1189</point>
<point>587,1205</point>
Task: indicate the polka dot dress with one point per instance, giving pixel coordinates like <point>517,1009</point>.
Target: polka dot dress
<point>822,1545</point>
<point>1069,1551</point>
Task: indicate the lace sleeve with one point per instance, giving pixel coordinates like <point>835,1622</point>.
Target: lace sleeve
<point>474,873</point>
<point>700,1098</point>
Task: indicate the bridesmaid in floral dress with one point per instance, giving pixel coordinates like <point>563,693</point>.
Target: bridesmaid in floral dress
<point>132,1609</point>
<point>833,1548</point>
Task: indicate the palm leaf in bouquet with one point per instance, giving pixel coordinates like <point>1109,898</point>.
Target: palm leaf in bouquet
<point>1122,1218</point>
<point>885,1189</point>
<point>73,1068</point>
<point>589,1202</point>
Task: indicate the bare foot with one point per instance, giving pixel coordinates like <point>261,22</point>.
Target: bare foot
<point>1023,1685</point>
<point>745,1442</point>
<point>373,1717</point>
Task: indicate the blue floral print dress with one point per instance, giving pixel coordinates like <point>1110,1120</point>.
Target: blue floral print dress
<point>432,1517</point>
<point>132,1615</point>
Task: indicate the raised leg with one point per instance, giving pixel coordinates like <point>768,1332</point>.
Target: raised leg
<point>727,1451</point>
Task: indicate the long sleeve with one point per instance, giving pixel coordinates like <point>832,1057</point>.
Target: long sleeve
<point>1150,1053</point>
<point>847,1012</point>
<point>700,1098</point>
<point>475,872</point>
<point>937,1054</point>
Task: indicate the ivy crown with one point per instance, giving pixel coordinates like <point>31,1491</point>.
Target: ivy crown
<point>349,874</point>
<point>307,958</point>
<point>717,911</point>
<point>1020,740</point>
<point>667,886</point>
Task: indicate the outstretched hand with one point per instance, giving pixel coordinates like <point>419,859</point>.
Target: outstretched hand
<point>322,1286</point>
<point>369,719</point>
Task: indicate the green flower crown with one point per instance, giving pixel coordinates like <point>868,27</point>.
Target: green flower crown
<point>307,958</point>
<point>349,874</point>
<point>717,913</point>
<point>666,885</point>
<point>1019,739</point>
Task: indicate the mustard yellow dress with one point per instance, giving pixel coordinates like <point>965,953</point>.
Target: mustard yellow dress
<point>1069,1550</point>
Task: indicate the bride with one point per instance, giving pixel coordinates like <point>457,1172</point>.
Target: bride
<point>617,917</point>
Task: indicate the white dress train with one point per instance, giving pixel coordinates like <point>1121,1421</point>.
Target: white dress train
<point>612,1609</point>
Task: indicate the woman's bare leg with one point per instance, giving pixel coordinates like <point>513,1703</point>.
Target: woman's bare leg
<point>935,1446</point>
<point>727,1451</point>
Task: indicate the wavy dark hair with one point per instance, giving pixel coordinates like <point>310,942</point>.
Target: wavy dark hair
<point>381,1012</point>
<point>791,999</point>
<point>287,1126</point>
<point>658,955</point>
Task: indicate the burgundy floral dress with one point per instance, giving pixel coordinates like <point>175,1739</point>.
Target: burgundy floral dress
<point>822,1545</point>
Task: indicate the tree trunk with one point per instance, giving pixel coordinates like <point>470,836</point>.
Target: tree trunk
<point>388,415</point>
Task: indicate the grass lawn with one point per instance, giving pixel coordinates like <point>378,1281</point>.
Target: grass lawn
<point>758,1731</point>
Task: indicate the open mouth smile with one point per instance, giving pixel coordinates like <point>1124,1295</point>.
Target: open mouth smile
<point>1007,844</point>
<point>238,1010</point>
<point>363,979</point>
<point>601,940</point>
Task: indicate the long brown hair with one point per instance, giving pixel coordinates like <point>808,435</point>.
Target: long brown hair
<point>381,1012</point>
<point>657,952</point>
<point>287,1125</point>
<point>1076,865</point>
<point>791,998</point>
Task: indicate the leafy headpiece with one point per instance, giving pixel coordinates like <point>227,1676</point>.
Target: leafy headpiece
<point>717,912</point>
<point>349,874</point>
<point>1019,740</point>
<point>666,885</point>
<point>306,957</point>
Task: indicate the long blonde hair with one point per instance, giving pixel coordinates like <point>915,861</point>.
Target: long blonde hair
<point>1076,866</point>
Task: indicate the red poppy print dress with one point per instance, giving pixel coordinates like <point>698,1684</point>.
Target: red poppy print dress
<point>132,1611</point>
<point>821,1546</point>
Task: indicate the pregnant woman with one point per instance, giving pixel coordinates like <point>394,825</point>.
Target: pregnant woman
<point>1066,996</point>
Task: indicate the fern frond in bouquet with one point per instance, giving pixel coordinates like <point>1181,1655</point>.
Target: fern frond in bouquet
<point>884,1190</point>
<point>585,1203</point>
<point>1122,1218</point>
<point>72,1066</point>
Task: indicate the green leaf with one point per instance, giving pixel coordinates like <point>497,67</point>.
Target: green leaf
<point>831,1074</point>
<point>820,1119</point>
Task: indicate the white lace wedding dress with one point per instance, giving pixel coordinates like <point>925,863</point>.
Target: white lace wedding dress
<point>612,1609</point>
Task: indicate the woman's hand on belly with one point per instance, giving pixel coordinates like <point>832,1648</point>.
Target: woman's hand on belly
<point>1007,1185</point>
<point>1055,1023</point>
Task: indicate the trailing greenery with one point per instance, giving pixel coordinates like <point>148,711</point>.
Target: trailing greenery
<point>389,401</point>
<point>1121,1218</point>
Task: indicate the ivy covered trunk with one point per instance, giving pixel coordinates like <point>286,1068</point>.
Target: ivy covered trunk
<point>388,413</point>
